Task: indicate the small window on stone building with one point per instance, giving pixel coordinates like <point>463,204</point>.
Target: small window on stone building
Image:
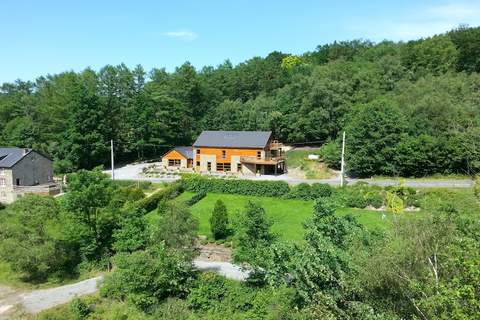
<point>2,172</point>
<point>3,182</point>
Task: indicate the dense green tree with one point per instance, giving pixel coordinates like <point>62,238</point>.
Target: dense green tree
<point>252,232</point>
<point>90,221</point>
<point>373,134</point>
<point>31,239</point>
<point>219,220</point>
<point>176,227</point>
<point>148,277</point>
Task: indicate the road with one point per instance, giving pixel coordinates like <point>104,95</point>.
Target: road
<point>133,172</point>
<point>38,300</point>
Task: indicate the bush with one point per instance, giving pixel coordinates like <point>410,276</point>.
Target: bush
<point>301,191</point>
<point>79,309</point>
<point>145,278</point>
<point>321,190</point>
<point>304,191</point>
<point>209,290</point>
<point>355,199</point>
<point>252,233</point>
<point>31,239</point>
<point>150,203</point>
<point>331,154</point>
<point>196,198</point>
<point>197,183</point>
<point>144,185</point>
<point>374,199</point>
<point>219,221</point>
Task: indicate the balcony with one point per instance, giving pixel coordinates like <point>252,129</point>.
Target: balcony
<point>267,160</point>
<point>275,145</point>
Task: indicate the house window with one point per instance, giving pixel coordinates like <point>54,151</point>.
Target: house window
<point>198,151</point>
<point>239,167</point>
<point>2,172</point>
<point>259,154</point>
<point>224,154</point>
<point>198,163</point>
<point>209,166</point>
<point>3,182</point>
<point>174,162</point>
<point>224,167</point>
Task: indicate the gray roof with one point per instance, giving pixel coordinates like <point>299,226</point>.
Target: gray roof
<point>10,156</point>
<point>187,152</point>
<point>233,139</point>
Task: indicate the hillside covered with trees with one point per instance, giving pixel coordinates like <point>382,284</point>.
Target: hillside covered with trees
<point>409,109</point>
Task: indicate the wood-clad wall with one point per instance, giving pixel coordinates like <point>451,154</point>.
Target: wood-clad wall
<point>229,152</point>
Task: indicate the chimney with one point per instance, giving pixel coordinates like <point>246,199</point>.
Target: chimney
<point>25,151</point>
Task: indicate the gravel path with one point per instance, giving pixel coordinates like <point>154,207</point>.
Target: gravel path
<point>38,300</point>
<point>225,269</point>
<point>133,172</point>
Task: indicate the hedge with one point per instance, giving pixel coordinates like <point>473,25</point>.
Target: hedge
<point>236,186</point>
<point>150,203</point>
<point>196,197</point>
<point>305,191</point>
<point>144,185</point>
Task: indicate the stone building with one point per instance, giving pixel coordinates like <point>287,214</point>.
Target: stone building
<point>25,171</point>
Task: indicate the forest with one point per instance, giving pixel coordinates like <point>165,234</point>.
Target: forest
<point>408,108</point>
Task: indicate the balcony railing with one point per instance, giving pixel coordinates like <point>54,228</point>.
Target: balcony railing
<point>265,160</point>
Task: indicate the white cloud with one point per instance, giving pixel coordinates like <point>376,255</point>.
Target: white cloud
<point>182,34</point>
<point>422,21</point>
<point>455,10</point>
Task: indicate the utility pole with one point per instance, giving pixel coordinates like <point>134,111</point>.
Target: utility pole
<point>111,157</point>
<point>342,170</point>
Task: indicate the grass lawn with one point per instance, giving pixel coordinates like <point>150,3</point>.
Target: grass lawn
<point>288,214</point>
<point>313,169</point>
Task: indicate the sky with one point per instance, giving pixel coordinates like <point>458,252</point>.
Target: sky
<point>48,37</point>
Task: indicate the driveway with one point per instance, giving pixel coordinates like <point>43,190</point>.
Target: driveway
<point>133,172</point>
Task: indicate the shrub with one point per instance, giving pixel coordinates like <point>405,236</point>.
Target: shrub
<point>374,199</point>
<point>355,199</point>
<point>150,203</point>
<point>196,198</point>
<point>144,185</point>
<point>146,278</point>
<point>321,190</point>
<point>219,221</point>
<point>209,290</point>
<point>304,191</point>
<point>301,191</point>
<point>79,309</point>
<point>197,183</point>
<point>31,238</point>
<point>331,153</point>
<point>252,233</point>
